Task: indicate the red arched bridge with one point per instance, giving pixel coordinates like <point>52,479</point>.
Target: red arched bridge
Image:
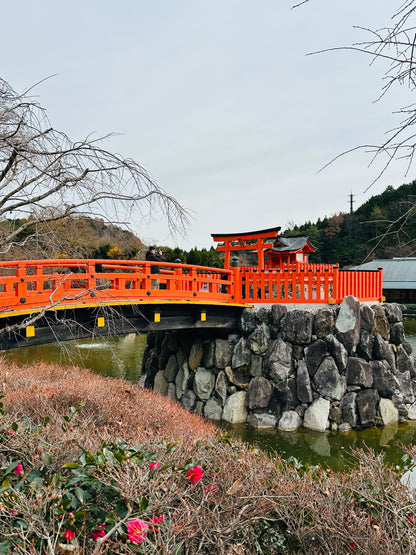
<point>47,300</point>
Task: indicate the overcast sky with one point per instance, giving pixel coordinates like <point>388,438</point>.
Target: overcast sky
<point>216,99</point>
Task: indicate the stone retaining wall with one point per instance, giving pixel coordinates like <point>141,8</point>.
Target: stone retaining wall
<point>340,367</point>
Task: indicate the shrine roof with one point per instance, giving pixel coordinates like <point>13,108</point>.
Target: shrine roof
<point>272,230</point>
<point>285,244</point>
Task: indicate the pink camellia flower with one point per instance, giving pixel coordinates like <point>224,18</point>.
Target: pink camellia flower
<point>194,474</point>
<point>69,535</point>
<point>10,432</point>
<point>137,530</point>
<point>18,468</point>
<point>99,533</point>
<point>154,465</point>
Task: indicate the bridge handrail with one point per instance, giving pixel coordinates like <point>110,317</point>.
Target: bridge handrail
<point>27,284</point>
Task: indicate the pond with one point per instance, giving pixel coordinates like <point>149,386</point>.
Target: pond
<point>121,357</point>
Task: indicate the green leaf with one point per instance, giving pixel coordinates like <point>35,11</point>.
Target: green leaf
<point>71,465</point>
<point>80,494</point>
<point>5,546</point>
<point>15,426</point>
<point>144,503</point>
<point>33,475</point>
<point>65,503</point>
<point>11,467</point>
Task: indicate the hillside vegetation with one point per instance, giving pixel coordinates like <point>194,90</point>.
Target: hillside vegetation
<point>383,227</point>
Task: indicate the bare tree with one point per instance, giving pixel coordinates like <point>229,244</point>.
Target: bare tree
<point>396,46</point>
<point>45,176</point>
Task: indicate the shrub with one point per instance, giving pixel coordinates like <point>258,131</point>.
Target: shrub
<point>65,489</point>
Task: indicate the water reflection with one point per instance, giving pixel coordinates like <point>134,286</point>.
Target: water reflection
<point>118,357</point>
<point>331,449</point>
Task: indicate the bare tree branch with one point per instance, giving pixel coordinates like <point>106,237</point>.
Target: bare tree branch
<point>396,46</point>
<point>45,176</point>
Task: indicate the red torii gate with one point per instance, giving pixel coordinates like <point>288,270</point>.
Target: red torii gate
<point>247,241</point>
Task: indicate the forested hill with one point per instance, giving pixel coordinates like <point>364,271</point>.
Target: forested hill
<point>383,227</point>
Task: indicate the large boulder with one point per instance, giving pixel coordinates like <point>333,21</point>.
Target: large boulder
<point>303,383</point>
<point>314,355</point>
<point>367,322</point>
<point>316,415</point>
<point>406,387</point>
<point>221,385</point>
<point>388,412</point>
<point>171,368</point>
<point>188,400</point>
<point>239,377</point>
<point>383,379</point>
<point>323,323</point>
<point>248,321</point>
<point>286,394</point>
<point>338,352</point>
<point>223,353</point>
<point>235,410</point>
<point>348,323</point>
<point>397,333</point>
<point>365,345</point>
<point>204,382</point>
<point>278,361</point>
<point>242,353</point>
<point>262,420</point>
<point>209,352</point>
<point>296,327</point>
<point>382,350</point>
<point>259,393</point>
<point>161,383</point>
<point>256,366</point>
<point>290,421</point>
<point>276,314</point>
<point>260,338</point>
<point>367,404</point>
<point>393,312</point>
<point>359,372</point>
<point>328,381</point>
<point>181,380</point>
<point>404,362</point>
<point>213,409</point>
<point>381,324</point>
<point>195,355</point>
<point>348,408</point>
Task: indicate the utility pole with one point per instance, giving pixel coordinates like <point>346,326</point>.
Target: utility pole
<point>351,197</point>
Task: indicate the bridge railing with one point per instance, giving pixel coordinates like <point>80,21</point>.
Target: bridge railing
<point>39,283</point>
<point>306,283</point>
<point>42,283</point>
<point>287,285</point>
<point>365,285</point>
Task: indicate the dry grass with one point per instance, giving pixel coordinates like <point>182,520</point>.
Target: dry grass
<point>114,408</point>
